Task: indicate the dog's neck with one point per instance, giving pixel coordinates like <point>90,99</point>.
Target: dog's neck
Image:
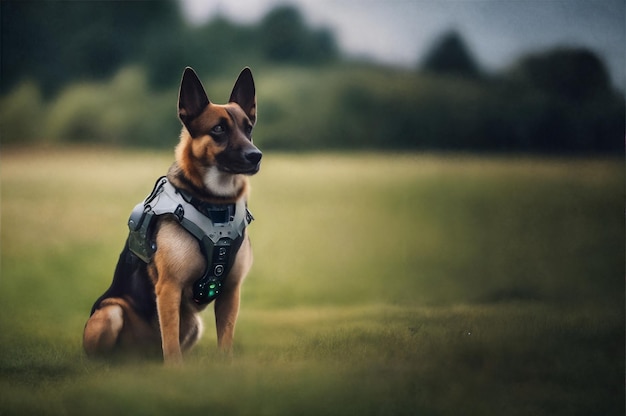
<point>206,183</point>
<point>215,187</point>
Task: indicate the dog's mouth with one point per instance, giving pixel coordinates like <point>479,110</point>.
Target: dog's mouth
<point>241,170</point>
<point>254,170</point>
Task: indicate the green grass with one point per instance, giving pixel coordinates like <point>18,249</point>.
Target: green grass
<point>382,284</point>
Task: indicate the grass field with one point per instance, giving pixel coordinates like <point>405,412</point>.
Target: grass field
<point>382,285</point>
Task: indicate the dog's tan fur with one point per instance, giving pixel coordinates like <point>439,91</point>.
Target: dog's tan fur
<point>178,262</point>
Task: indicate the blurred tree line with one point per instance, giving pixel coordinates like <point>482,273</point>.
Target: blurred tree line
<point>58,42</point>
<point>108,72</point>
<point>558,100</point>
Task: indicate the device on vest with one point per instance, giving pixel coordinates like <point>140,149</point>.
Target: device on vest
<point>219,230</point>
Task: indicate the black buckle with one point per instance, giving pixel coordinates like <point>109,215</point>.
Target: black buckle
<point>219,214</point>
<point>180,213</point>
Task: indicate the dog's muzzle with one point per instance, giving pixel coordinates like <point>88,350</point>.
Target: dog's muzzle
<point>253,157</point>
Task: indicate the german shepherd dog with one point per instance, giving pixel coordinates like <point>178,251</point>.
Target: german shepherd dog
<point>150,306</point>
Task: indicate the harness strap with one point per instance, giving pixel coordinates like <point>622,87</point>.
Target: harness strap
<point>219,230</point>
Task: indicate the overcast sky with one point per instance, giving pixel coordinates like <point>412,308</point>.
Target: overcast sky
<point>497,31</point>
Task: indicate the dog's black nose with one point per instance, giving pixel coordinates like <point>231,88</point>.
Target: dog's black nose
<point>254,156</point>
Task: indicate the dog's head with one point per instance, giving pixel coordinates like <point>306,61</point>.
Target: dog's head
<point>216,141</point>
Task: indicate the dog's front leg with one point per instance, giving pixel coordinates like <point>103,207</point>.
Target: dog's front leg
<point>168,307</point>
<point>226,312</point>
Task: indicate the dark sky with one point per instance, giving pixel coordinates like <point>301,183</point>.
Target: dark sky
<point>497,31</point>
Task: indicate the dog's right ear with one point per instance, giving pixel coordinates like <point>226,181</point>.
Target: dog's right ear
<point>192,98</point>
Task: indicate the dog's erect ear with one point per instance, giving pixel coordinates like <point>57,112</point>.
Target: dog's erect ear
<point>192,99</point>
<point>244,94</point>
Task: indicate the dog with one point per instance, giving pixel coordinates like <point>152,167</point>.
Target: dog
<point>152,304</point>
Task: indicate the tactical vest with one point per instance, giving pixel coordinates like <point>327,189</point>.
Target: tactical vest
<point>219,230</point>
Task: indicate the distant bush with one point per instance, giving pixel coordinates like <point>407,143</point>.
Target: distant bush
<point>123,111</point>
<point>416,112</point>
<point>296,108</point>
<point>21,112</point>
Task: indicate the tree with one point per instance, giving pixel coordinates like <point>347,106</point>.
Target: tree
<point>286,38</point>
<point>571,73</point>
<point>56,42</point>
<point>450,55</point>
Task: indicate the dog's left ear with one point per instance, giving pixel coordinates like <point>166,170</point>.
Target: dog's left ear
<point>244,94</point>
<point>192,98</point>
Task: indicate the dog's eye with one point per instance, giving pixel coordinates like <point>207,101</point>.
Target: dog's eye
<point>248,130</point>
<point>219,129</point>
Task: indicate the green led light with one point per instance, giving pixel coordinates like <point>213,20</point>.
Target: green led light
<point>211,293</point>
